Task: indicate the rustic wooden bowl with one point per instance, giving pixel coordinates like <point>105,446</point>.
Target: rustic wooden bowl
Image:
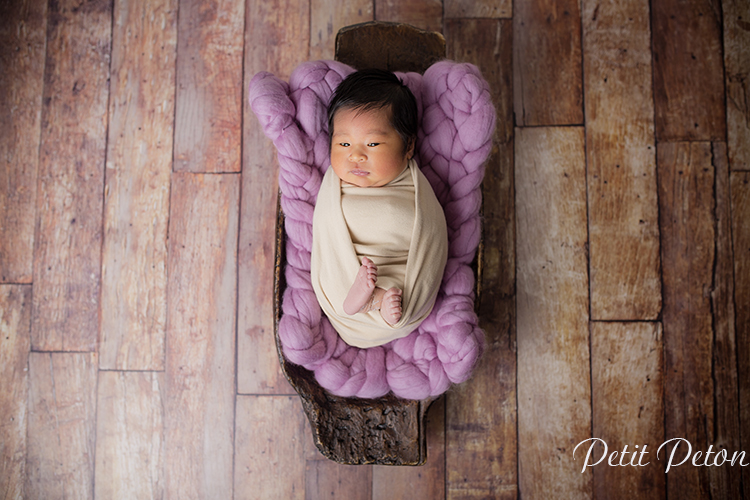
<point>387,430</point>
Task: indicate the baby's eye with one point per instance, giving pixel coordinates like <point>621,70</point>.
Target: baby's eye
<point>373,144</point>
<point>344,144</point>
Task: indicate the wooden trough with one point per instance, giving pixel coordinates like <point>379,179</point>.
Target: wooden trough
<point>387,430</point>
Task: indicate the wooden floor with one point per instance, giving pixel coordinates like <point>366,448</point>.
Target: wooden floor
<point>137,204</point>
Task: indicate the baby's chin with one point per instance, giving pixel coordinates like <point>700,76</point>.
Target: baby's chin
<point>363,180</point>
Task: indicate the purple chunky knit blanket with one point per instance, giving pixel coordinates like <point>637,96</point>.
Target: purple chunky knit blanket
<point>457,121</point>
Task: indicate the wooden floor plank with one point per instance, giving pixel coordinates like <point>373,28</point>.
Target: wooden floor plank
<point>477,9</point>
<point>270,448</point>
<point>737,80</point>
<point>547,84</point>
<point>623,209</point>
<point>554,411</point>
<point>208,112</point>
<point>328,479</point>
<point>688,73</point>
<point>426,482</point>
<point>130,435</point>
<point>740,188</point>
<point>481,438</point>
<point>628,408</point>
<point>287,22</point>
<point>481,420</point>
<point>685,225</point>
<point>22,80</point>
<point>15,323</point>
<point>200,369</point>
<point>725,481</point>
<point>424,14</point>
<point>688,241</point>
<point>61,425</point>
<point>67,254</point>
<point>327,17</point>
<point>139,166</point>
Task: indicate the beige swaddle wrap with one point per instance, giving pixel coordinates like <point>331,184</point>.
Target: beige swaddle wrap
<point>401,228</point>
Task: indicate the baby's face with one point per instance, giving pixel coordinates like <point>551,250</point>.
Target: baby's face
<point>365,148</point>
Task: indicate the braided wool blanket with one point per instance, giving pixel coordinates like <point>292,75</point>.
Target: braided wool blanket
<point>457,121</point>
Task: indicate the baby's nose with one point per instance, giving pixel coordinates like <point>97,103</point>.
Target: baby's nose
<point>357,155</point>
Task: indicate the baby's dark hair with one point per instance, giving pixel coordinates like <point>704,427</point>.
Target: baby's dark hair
<point>370,89</point>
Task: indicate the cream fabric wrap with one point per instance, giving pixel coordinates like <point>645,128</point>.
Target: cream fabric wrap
<point>401,228</point>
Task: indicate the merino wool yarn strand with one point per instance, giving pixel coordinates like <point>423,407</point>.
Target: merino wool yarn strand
<point>457,123</point>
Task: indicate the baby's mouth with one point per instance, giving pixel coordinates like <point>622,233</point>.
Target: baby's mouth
<point>359,172</point>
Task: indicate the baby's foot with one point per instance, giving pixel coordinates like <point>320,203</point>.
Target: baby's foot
<point>361,291</point>
<point>390,308</point>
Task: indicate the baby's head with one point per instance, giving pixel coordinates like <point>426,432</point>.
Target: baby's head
<point>372,128</point>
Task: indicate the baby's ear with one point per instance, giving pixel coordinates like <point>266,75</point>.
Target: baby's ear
<point>410,148</point>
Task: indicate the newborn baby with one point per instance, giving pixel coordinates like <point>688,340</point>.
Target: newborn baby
<point>379,234</point>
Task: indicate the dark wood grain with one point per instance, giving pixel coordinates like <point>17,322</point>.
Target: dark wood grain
<point>208,111</point>
<point>416,483</point>
<point>621,158</point>
<point>389,46</point>
<point>15,322</point>
<point>200,368</point>
<point>481,444</point>
<point>547,84</point>
<point>627,394</point>
<point>554,392</point>
<point>740,201</point>
<point>139,166</point>
<point>695,333</point>
<point>688,73</point>
<point>67,250</point>
<point>737,80</point>
<point>685,224</point>
<point>22,80</point>
<point>727,431</point>
<point>353,431</point>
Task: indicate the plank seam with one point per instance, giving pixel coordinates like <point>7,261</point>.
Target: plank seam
<point>237,254</point>
<point>273,395</point>
<point>728,289</point>
<point>711,303</point>
<point>38,161</point>
<point>659,316</point>
<point>104,204</point>
<point>656,180</point>
<point>62,351</point>
<point>95,423</point>
<point>112,370</point>
<point>733,298</point>
<point>647,321</point>
<point>565,125</point>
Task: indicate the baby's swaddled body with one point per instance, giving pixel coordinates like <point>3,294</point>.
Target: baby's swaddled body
<point>380,223</point>
<point>401,228</point>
